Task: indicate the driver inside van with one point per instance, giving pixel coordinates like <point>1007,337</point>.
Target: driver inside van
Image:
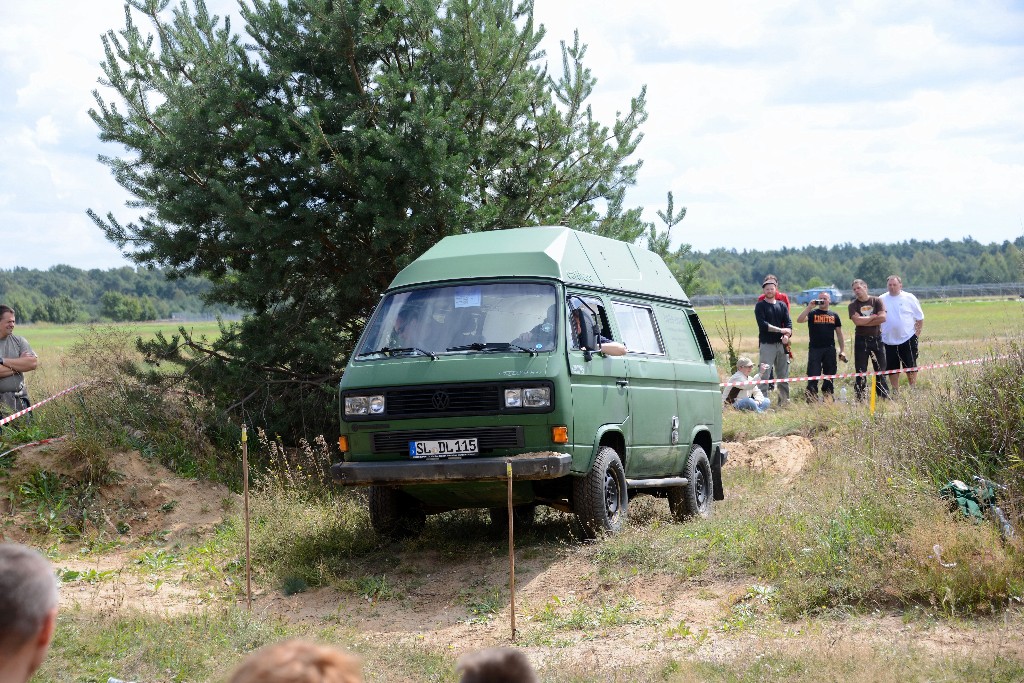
<point>608,347</point>
<point>402,333</point>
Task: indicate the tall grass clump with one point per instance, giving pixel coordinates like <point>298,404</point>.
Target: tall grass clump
<point>124,405</point>
<point>303,533</point>
<point>971,424</point>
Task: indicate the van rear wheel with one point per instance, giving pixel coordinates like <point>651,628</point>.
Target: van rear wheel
<point>395,514</point>
<point>693,499</point>
<point>601,499</point>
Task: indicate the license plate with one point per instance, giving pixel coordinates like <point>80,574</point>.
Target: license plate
<point>443,448</point>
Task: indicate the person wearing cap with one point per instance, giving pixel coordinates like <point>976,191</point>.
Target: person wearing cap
<point>774,329</point>
<point>822,326</point>
<point>779,294</point>
<point>745,395</point>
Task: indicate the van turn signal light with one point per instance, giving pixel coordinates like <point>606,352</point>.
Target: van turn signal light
<point>343,443</point>
<point>560,434</point>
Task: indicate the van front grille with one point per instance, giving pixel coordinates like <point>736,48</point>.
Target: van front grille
<point>488,438</point>
<point>438,401</point>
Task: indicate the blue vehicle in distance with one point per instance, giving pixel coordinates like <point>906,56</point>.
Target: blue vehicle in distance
<point>808,295</point>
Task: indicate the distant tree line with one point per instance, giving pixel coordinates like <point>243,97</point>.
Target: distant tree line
<point>63,294</point>
<point>729,271</point>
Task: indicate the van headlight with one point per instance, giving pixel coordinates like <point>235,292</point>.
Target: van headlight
<point>364,405</point>
<point>528,397</point>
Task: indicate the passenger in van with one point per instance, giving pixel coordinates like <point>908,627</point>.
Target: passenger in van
<point>542,336</point>
<point>746,396</point>
<point>582,320</point>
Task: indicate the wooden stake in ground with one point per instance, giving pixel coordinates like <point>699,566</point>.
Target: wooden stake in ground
<point>511,553</point>
<point>245,504</point>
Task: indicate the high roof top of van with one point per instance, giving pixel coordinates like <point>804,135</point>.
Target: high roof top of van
<point>554,252</point>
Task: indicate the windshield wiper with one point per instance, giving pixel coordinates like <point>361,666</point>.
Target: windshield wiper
<point>491,346</point>
<point>388,351</point>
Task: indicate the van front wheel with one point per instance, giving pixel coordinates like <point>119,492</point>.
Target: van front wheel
<point>693,499</point>
<point>394,514</point>
<point>600,499</point>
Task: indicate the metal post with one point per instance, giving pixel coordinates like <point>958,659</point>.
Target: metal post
<point>245,498</point>
<point>511,553</point>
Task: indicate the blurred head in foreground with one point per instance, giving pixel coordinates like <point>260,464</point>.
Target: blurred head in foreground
<point>298,661</point>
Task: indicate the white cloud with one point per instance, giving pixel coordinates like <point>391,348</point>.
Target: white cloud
<point>775,124</point>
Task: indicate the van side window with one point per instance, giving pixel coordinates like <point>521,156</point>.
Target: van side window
<point>590,306</point>
<point>638,327</point>
<point>702,337</point>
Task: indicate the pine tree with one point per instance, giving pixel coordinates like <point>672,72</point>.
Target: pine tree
<point>302,172</point>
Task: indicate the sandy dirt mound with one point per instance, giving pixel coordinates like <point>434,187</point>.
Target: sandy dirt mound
<point>140,496</point>
<point>785,455</point>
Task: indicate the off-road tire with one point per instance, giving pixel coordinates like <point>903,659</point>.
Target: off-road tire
<point>600,498</point>
<point>693,499</point>
<point>394,514</point>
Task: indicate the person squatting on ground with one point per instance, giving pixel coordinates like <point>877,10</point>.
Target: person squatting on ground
<point>747,396</point>
<point>28,611</point>
<point>901,330</point>
<point>867,313</point>
<point>774,329</point>
<point>824,328</point>
<point>298,661</point>
<point>495,665</point>
<point>16,358</point>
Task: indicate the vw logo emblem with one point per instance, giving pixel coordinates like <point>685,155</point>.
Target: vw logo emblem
<point>440,400</point>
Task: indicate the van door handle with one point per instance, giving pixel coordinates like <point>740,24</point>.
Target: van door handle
<point>622,382</point>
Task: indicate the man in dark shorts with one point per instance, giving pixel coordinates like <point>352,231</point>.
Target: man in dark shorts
<point>867,313</point>
<point>824,328</point>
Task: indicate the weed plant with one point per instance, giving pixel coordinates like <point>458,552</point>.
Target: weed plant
<point>303,533</point>
<point>123,407</point>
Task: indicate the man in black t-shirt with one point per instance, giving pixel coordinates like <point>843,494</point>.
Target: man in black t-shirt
<point>822,326</point>
<point>867,313</point>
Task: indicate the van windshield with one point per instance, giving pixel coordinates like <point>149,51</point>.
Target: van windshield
<point>479,318</point>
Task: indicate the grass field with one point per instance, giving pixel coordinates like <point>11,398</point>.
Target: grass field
<point>55,340</point>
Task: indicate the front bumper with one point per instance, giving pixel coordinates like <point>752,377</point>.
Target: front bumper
<point>543,465</point>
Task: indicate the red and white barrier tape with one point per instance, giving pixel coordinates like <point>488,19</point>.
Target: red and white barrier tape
<point>34,443</point>
<point>973,361</point>
<point>15,416</point>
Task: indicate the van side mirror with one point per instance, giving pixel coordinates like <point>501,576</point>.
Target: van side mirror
<point>587,336</point>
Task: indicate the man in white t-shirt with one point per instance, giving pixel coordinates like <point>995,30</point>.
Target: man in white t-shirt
<point>901,329</point>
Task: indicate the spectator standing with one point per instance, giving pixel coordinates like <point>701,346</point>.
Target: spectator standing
<point>867,313</point>
<point>901,330</point>
<point>774,329</point>
<point>824,328</point>
<point>747,395</point>
<point>16,358</point>
<point>779,294</point>
<point>28,611</point>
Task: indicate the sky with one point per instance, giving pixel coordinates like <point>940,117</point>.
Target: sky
<point>782,124</point>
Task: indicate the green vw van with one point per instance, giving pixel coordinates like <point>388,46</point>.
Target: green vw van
<point>493,356</point>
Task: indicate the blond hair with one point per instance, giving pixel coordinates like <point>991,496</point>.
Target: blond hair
<point>298,661</point>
